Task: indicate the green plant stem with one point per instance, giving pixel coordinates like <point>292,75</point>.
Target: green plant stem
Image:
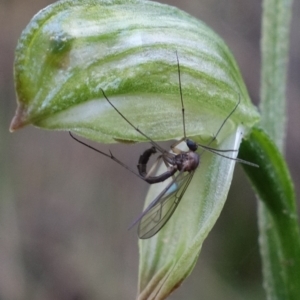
<point>278,223</point>
<point>278,284</point>
<point>274,49</point>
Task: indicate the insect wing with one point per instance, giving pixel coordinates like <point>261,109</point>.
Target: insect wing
<point>163,206</point>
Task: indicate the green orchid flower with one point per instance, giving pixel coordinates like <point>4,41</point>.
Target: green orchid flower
<point>72,50</point>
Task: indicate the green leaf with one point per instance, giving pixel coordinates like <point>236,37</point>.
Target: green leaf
<point>280,244</point>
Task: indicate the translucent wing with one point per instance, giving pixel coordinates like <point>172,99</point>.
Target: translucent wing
<point>160,210</point>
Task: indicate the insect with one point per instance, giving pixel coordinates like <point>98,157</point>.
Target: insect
<point>181,166</point>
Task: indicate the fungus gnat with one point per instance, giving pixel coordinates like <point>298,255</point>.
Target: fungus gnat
<point>181,166</point>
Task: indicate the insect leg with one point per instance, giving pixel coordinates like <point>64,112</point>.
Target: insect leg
<point>181,97</point>
<point>136,128</point>
<point>111,156</point>
<point>176,150</point>
<point>222,125</point>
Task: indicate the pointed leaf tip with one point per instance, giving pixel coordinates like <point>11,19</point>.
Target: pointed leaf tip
<point>20,118</point>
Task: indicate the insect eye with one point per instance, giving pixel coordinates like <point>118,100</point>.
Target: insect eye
<point>191,145</point>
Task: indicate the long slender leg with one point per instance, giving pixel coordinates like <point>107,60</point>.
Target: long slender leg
<point>223,123</point>
<point>173,146</point>
<point>111,156</point>
<point>136,128</point>
<point>144,158</point>
<point>181,97</point>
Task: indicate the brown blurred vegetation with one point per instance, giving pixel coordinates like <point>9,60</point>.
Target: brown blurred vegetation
<point>64,210</point>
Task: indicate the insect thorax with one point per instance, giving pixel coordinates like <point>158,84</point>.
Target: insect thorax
<point>187,161</point>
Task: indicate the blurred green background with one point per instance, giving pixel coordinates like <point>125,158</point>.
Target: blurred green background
<point>64,210</point>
